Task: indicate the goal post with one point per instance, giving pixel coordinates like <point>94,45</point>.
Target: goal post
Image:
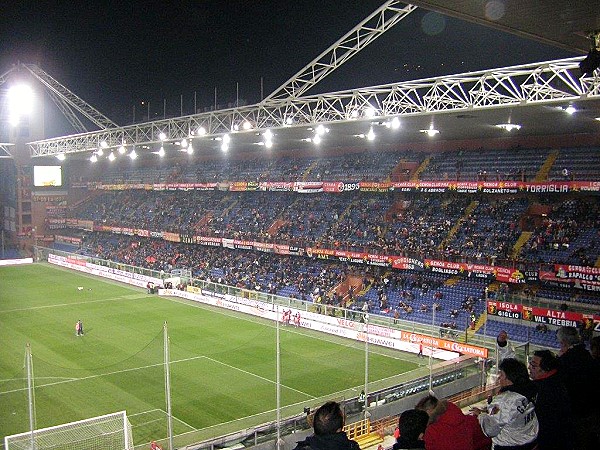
<point>110,431</point>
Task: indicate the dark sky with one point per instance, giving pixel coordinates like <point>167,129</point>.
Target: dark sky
<point>116,54</point>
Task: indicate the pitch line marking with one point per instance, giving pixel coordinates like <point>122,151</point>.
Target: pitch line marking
<point>89,377</point>
<point>178,420</point>
<point>258,376</point>
<point>59,305</point>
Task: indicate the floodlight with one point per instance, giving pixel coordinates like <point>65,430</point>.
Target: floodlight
<point>190,149</point>
<point>162,136</point>
<point>246,125</point>
<point>395,123</point>
<point>320,130</point>
<point>370,112</point>
<point>61,157</point>
<point>431,132</point>
<point>93,158</point>
<point>371,134</point>
<point>100,152</point>
<point>133,155</point>
<point>226,139</point>
<point>268,134</point>
<point>509,126</point>
<point>184,143</point>
<point>570,110</point>
<point>104,144</point>
<point>289,121</point>
<point>224,147</point>
<point>201,131</point>
<point>112,156</point>
<point>13,120</point>
<point>161,151</point>
<point>317,139</point>
<point>122,149</point>
<point>268,143</point>
<point>20,102</point>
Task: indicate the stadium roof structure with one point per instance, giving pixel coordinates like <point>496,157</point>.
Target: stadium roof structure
<point>465,106</point>
<point>563,24</point>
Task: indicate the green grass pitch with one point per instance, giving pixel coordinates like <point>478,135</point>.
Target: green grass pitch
<point>223,365</point>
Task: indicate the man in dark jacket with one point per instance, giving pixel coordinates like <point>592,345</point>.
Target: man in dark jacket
<point>579,374</point>
<point>552,404</point>
<point>328,422</point>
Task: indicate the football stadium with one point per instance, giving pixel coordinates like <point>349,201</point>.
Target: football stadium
<point>218,279</point>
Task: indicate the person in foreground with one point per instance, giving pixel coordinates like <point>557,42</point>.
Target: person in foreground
<point>552,404</point>
<point>580,374</point>
<point>449,428</point>
<point>510,419</point>
<point>412,425</point>
<point>328,422</point>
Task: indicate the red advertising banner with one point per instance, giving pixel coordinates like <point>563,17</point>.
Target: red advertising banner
<point>468,187</point>
<point>545,316</point>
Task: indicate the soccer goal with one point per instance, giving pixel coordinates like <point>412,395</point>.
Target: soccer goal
<point>111,431</point>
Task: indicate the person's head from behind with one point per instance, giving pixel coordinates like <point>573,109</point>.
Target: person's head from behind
<point>567,337</point>
<point>542,362</point>
<point>512,371</point>
<point>328,419</point>
<point>427,404</point>
<point>412,424</point>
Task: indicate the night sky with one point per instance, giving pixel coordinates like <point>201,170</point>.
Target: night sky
<point>118,54</point>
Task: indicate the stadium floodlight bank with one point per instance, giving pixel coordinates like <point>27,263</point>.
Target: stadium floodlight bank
<point>111,431</point>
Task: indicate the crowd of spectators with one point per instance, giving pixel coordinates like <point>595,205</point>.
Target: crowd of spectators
<point>450,227</point>
<point>515,164</point>
<point>569,235</point>
<point>309,279</point>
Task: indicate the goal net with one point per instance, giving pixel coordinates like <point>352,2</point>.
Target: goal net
<point>111,431</point>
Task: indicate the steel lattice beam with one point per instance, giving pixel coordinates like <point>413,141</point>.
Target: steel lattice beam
<point>376,24</point>
<point>61,94</point>
<point>525,85</point>
<point>4,153</point>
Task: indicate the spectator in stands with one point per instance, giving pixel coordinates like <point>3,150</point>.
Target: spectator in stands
<point>580,375</point>
<point>510,419</point>
<point>412,425</point>
<point>552,404</point>
<point>328,423</point>
<point>503,347</point>
<point>449,428</point>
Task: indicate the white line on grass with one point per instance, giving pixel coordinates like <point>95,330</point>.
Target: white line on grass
<point>258,376</point>
<point>60,305</point>
<point>179,420</point>
<point>145,412</point>
<point>89,377</point>
<point>39,378</point>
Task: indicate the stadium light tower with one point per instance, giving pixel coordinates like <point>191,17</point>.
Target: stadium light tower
<point>20,100</point>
